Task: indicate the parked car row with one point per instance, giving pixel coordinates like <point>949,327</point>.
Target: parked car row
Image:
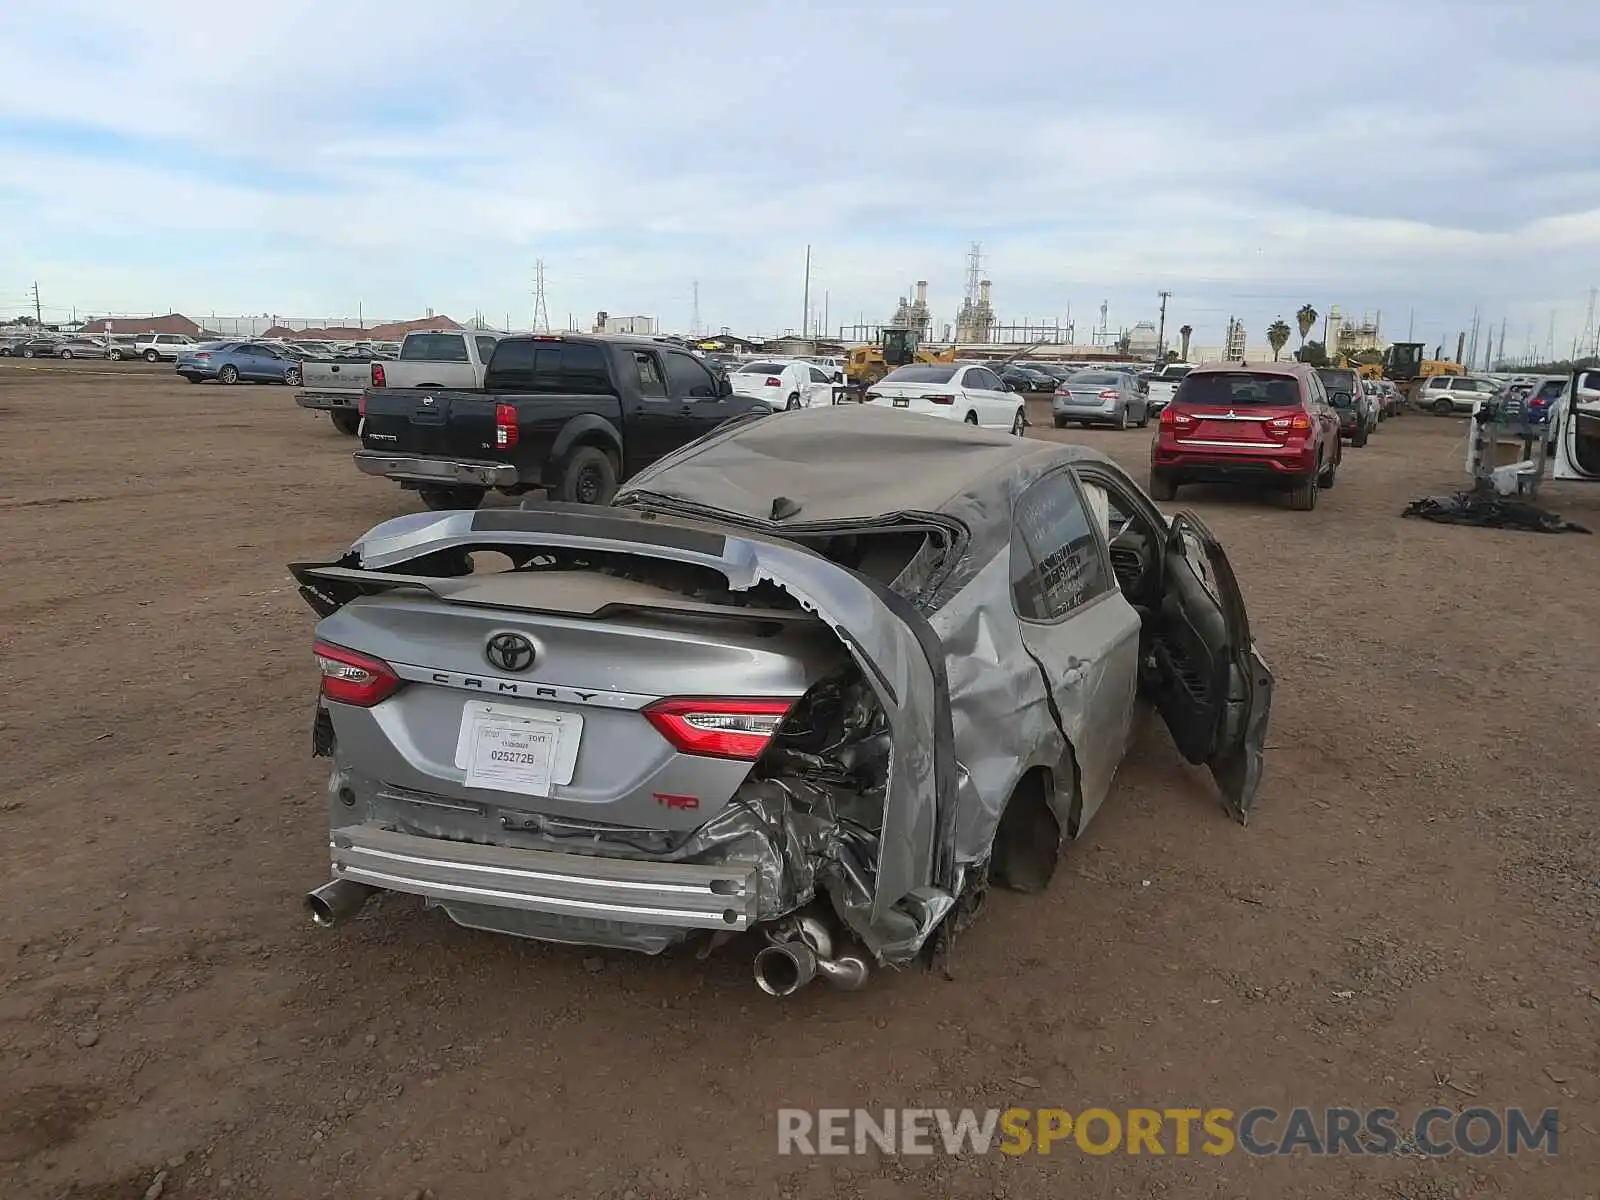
<point>118,347</point>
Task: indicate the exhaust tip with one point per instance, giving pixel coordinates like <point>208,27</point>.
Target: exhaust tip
<point>785,968</point>
<point>337,901</point>
<point>320,910</point>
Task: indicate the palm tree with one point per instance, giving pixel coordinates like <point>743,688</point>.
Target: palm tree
<point>1185,333</point>
<point>1306,318</point>
<point>1277,337</point>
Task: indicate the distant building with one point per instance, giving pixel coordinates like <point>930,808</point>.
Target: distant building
<point>1142,340</point>
<point>604,322</point>
<point>171,323</point>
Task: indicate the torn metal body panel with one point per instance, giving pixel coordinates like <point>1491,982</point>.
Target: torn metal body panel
<point>795,680</point>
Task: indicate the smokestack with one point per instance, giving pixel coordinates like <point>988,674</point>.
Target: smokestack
<point>983,290</point>
<point>600,322</point>
<point>922,291</point>
<point>1461,347</point>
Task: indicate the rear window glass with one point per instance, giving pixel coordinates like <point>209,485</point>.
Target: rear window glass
<point>1092,380</point>
<point>434,347</point>
<point>1332,378</point>
<point>920,374</point>
<point>761,368</point>
<point>522,365</point>
<point>1174,372</point>
<point>1234,388</point>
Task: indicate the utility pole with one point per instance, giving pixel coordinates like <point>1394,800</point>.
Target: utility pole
<point>805,307</point>
<point>1411,325</point>
<point>541,314</point>
<point>1161,331</point>
<point>694,321</point>
<point>823,332</point>
<point>1550,343</point>
<point>1501,353</point>
<point>38,311</point>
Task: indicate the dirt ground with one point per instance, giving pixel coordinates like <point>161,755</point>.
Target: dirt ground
<point>1410,918</point>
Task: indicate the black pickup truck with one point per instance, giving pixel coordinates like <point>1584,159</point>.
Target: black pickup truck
<point>572,413</point>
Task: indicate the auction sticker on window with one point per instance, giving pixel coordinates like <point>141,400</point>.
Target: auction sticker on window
<point>515,748</point>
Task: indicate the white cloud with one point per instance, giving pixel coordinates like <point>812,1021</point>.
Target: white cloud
<point>1439,157</point>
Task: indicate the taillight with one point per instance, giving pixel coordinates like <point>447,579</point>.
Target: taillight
<point>352,678</point>
<point>1108,394</point>
<point>378,377</point>
<point>718,728</point>
<point>505,426</point>
<point>1172,418</point>
<point>202,357</point>
<point>941,399</point>
<point>774,381</point>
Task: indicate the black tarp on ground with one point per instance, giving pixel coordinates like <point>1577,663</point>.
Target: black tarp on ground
<point>1489,511</point>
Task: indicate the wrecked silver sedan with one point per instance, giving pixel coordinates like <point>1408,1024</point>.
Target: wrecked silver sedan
<point>825,675</point>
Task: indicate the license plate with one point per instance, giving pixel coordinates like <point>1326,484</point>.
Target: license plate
<point>902,401</point>
<point>517,748</point>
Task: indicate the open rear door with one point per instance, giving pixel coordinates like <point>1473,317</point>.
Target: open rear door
<point>1211,686</point>
<point>1577,434</point>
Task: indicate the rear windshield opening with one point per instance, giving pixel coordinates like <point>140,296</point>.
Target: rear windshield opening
<point>883,555</point>
<point>920,375</point>
<point>1234,388</point>
<point>1095,380</point>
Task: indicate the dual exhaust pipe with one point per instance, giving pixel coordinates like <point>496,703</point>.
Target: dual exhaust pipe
<point>800,949</point>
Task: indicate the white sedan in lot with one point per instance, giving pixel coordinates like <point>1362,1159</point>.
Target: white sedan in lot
<point>784,383</point>
<point>966,392</point>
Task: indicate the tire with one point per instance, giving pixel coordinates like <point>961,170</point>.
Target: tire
<point>1443,408</point>
<point>115,356</point>
<point>1061,422</point>
<point>292,377</point>
<point>1162,487</point>
<point>228,374</point>
<point>1122,418</point>
<point>792,403</point>
<point>972,418</point>
<point>150,356</point>
<point>440,499</point>
<point>1144,417</point>
<point>64,355</point>
<point>1019,426</point>
<point>1359,438</point>
<point>27,352</point>
<point>589,477</point>
<point>1304,497</point>
<point>346,421</point>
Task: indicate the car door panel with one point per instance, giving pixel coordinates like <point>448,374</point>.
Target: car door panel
<point>1210,684</point>
<point>1082,635</point>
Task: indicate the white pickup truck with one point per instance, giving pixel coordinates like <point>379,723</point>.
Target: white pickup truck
<point>436,358</point>
<point>1164,383</point>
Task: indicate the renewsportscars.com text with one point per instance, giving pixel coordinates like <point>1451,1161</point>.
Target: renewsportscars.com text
<point>1165,1131</point>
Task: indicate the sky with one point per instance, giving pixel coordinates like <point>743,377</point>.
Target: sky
<point>1425,161</point>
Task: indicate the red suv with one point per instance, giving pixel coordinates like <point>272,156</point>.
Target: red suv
<point>1263,423</point>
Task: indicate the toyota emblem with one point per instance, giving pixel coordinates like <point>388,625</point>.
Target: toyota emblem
<point>509,652</point>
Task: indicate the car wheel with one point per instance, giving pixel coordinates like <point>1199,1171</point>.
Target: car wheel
<point>1359,438</point>
<point>1304,497</point>
<point>590,477</point>
<point>793,402</point>
<point>228,374</point>
<point>151,356</point>
<point>292,377</point>
<point>1122,417</point>
<point>1443,408</point>
<point>1144,417</point>
<point>27,352</point>
<point>115,356</point>
<point>1019,424</point>
<point>1061,422</point>
<point>66,354</point>
<point>346,422</point>
<point>442,499</point>
<point>972,418</point>
<point>1162,487</point>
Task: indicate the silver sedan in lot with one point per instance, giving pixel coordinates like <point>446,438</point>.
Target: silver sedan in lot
<point>774,688</point>
<point>1100,398</point>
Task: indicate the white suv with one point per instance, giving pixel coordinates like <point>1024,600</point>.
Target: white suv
<point>1447,394</point>
<point>164,347</point>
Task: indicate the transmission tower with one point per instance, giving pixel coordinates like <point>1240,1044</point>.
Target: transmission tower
<point>541,315</point>
<point>1586,340</point>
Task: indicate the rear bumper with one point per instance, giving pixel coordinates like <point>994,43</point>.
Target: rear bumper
<point>1083,412</point>
<point>672,895</point>
<point>327,401</point>
<point>1187,466</point>
<point>434,470</point>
